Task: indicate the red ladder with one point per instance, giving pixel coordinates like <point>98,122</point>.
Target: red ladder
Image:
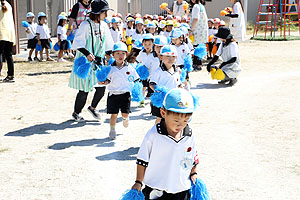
<point>286,13</point>
<point>270,13</point>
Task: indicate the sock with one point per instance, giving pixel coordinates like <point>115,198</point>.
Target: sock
<point>123,118</point>
<point>112,127</point>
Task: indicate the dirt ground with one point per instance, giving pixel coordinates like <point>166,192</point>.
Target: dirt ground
<point>248,136</point>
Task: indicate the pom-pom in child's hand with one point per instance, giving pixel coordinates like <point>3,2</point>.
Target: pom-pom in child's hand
<point>90,57</point>
<point>185,6</point>
<point>163,6</point>
<point>137,187</point>
<point>193,178</point>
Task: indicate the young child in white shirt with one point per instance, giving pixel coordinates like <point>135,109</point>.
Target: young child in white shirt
<point>146,57</point>
<point>115,31</point>
<point>43,36</point>
<point>62,37</point>
<point>167,75</point>
<point>119,81</point>
<point>167,159</point>
<point>31,36</point>
<point>139,30</point>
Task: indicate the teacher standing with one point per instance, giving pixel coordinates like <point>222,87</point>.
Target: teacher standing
<point>7,39</point>
<point>199,27</point>
<point>237,23</point>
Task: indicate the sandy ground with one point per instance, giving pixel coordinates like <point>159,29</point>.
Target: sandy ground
<point>248,136</point>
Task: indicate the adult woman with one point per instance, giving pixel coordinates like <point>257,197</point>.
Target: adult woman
<point>237,23</point>
<point>199,27</point>
<point>7,38</point>
<point>78,14</point>
<point>92,40</point>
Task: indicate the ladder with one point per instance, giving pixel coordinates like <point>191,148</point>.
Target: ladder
<point>268,9</point>
<point>286,12</point>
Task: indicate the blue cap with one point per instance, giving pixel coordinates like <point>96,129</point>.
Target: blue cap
<point>107,20</point>
<point>185,25</point>
<point>151,25</point>
<point>139,21</point>
<point>115,20</point>
<point>168,50</point>
<point>160,40</point>
<point>184,30</point>
<point>180,101</point>
<point>138,44</point>
<point>29,14</point>
<point>62,17</point>
<point>120,46</point>
<point>148,36</point>
<point>42,14</point>
<point>176,33</point>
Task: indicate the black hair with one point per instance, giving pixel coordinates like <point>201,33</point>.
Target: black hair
<point>94,17</point>
<point>229,40</point>
<point>145,40</point>
<point>168,112</point>
<point>60,23</point>
<point>40,18</point>
<point>131,58</point>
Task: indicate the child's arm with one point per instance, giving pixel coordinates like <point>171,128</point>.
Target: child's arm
<point>139,178</point>
<point>38,38</point>
<point>58,38</point>
<point>193,174</point>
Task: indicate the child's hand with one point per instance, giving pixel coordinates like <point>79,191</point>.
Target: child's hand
<point>90,57</point>
<point>58,43</point>
<point>194,177</point>
<point>137,187</point>
<point>39,42</point>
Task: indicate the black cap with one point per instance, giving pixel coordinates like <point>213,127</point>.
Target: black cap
<point>224,33</point>
<point>99,6</point>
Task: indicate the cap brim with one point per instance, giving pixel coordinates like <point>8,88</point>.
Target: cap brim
<point>102,10</point>
<point>184,110</point>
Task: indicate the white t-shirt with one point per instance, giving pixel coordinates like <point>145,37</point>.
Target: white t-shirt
<point>178,10</point>
<point>211,31</point>
<point>168,162</point>
<point>62,31</point>
<point>182,51</point>
<point>43,30</point>
<point>129,32</point>
<point>121,79</point>
<point>136,36</point>
<point>165,33</point>
<point>162,77</point>
<point>116,35</point>
<point>32,28</point>
<point>146,59</point>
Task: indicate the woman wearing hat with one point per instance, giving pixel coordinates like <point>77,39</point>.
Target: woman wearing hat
<point>230,68</point>
<point>92,40</point>
<point>199,27</point>
<point>7,39</point>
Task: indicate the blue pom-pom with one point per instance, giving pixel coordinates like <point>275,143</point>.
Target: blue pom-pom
<point>51,45</point>
<point>188,63</point>
<point>200,51</point>
<point>132,195</point>
<point>196,100</point>
<point>111,60</point>
<point>198,191</point>
<point>183,75</point>
<point>142,71</point>
<point>82,67</point>
<point>69,44</point>
<point>169,40</point>
<point>56,47</point>
<point>25,24</point>
<point>137,92</point>
<point>157,98</point>
<point>38,47</point>
<point>102,73</point>
<point>70,37</point>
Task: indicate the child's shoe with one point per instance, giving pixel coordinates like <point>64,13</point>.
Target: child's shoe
<point>112,134</point>
<point>232,82</point>
<point>61,60</point>
<point>125,122</point>
<point>50,59</point>
<point>9,79</point>
<point>77,118</point>
<point>29,59</point>
<point>36,59</point>
<point>94,113</point>
<point>71,55</point>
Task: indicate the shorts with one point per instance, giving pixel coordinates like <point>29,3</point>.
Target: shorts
<point>32,43</point>
<point>118,102</point>
<point>45,43</point>
<point>155,111</point>
<point>145,83</point>
<point>184,195</point>
<point>64,45</point>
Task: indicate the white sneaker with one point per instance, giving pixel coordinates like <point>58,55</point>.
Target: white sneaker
<point>125,122</point>
<point>112,134</point>
<point>61,60</point>
<point>71,55</point>
<point>65,55</point>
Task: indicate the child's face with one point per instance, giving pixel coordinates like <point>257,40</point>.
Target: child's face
<point>115,25</point>
<point>168,60</point>
<point>130,24</point>
<point>157,49</point>
<point>139,27</point>
<point>120,56</point>
<point>30,19</point>
<point>43,20</point>
<point>210,24</point>
<point>64,22</point>
<point>169,28</point>
<point>151,30</point>
<point>175,123</point>
<point>176,41</point>
<point>148,45</point>
<point>216,25</point>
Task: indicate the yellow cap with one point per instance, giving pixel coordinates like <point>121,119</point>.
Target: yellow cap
<point>169,23</point>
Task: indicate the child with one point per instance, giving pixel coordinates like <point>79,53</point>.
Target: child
<point>31,36</point>
<point>229,52</point>
<point>169,28</point>
<point>182,48</point>
<point>62,37</point>
<point>211,32</point>
<point>119,80</point>
<point>115,30</point>
<point>167,159</point>
<point>165,75</point>
<point>159,42</point>
<point>146,57</point>
<point>216,28</point>
<point>139,30</point>
<point>130,28</point>
<point>151,28</point>
<point>43,36</point>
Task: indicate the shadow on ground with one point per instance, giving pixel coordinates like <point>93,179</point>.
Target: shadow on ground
<point>128,154</point>
<point>46,73</point>
<point>44,128</point>
<point>209,86</point>
<point>105,142</point>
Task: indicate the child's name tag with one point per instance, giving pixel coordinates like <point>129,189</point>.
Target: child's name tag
<point>187,164</point>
